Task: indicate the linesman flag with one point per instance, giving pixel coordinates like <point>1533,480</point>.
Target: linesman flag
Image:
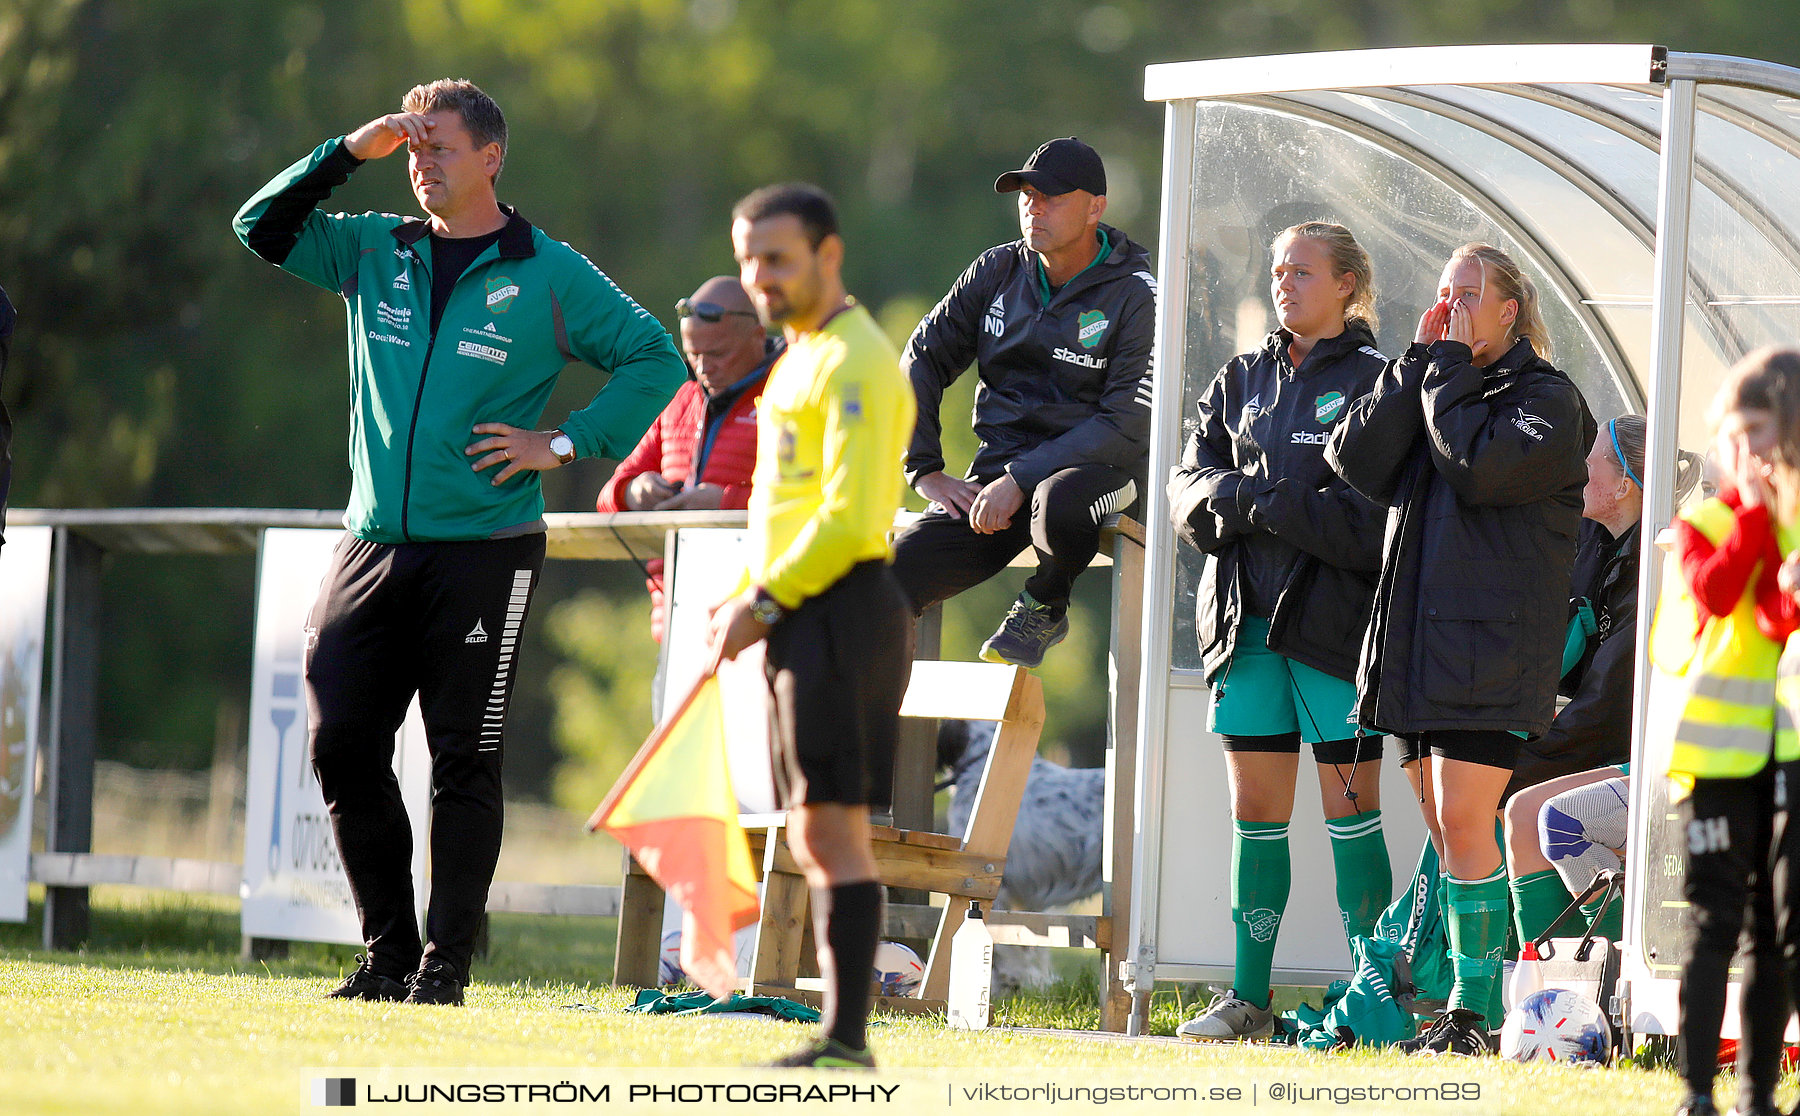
<point>675,810</point>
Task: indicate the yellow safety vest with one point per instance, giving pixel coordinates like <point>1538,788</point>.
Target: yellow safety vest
<point>1717,689</point>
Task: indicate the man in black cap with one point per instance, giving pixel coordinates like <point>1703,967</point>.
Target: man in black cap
<point>1061,322</point>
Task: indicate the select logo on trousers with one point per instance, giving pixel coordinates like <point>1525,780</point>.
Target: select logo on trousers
<point>334,1092</point>
<point>477,634</point>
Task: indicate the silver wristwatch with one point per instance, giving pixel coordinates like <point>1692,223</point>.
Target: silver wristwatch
<point>562,446</point>
<point>766,610</point>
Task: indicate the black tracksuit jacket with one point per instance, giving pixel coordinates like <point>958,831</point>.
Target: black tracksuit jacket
<point>1063,383</point>
<point>1254,476</point>
<point>1594,728</point>
<point>1481,471</point>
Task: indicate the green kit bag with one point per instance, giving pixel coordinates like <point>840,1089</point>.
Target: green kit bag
<point>1403,971</point>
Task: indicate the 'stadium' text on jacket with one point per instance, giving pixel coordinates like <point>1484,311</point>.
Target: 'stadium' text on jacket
<point>524,309</point>
<point>1481,471</point>
<point>1254,474</point>
<point>1064,382</point>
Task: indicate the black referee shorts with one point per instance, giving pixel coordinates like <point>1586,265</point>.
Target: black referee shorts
<point>837,668</point>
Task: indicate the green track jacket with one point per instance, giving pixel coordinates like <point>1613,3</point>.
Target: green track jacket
<point>523,310</point>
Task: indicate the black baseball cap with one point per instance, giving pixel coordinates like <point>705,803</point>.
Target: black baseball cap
<point>1056,168</point>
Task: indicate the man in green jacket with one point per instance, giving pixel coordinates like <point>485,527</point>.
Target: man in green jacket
<point>459,328</point>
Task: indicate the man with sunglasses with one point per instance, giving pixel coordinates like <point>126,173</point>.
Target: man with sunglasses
<point>700,452</point>
<point>1061,322</point>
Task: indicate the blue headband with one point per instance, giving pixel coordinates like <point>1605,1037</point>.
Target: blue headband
<point>1612,429</point>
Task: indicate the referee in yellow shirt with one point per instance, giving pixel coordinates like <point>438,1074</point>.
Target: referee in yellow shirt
<point>832,430</point>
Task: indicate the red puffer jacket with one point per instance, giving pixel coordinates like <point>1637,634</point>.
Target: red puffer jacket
<point>676,439</point>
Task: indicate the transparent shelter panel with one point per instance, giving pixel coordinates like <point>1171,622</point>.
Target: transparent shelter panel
<point>1258,170</point>
<point>1613,153</point>
<point>1754,301</point>
<point>1575,249</point>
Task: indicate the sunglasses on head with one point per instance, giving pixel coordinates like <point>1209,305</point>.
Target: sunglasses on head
<point>706,311</point>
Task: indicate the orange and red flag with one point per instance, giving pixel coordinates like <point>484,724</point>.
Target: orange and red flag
<point>674,808</point>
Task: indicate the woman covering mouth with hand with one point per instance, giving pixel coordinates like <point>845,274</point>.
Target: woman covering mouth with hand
<point>1476,444</point>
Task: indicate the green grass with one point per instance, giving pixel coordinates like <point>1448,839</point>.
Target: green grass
<point>158,1015</point>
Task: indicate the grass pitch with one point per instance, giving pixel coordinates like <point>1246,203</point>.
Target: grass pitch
<point>158,1016</point>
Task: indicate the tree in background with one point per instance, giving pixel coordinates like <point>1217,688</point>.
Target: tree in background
<point>158,364</point>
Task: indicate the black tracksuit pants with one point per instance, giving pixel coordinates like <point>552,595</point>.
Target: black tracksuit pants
<point>441,620</point>
<point>940,555</point>
<point>1740,886</point>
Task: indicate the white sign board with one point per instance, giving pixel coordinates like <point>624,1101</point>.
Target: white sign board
<point>24,593</point>
<point>1195,937</point>
<point>708,563</point>
<point>294,886</point>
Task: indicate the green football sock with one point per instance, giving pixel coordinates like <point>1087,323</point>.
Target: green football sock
<point>1365,879</point>
<point>1477,923</point>
<point>1260,877</point>
<point>1537,897</point>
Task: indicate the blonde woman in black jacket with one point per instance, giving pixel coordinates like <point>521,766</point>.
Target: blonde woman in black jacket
<point>1285,599</point>
<point>1476,444</point>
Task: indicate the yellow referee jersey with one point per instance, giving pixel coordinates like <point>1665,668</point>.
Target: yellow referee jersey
<point>832,431</point>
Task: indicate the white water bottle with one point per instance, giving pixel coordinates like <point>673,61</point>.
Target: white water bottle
<point>1527,976</point>
<point>971,972</point>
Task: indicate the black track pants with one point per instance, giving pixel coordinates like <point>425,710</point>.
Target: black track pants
<point>1741,852</point>
<point>940,555</point>
<point>441,620</point>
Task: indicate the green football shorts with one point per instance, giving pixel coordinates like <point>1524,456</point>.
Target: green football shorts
<point>1261,693</point>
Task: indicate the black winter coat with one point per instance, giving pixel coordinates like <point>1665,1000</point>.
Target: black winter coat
<point>1481,472</point>
<point>1064,382</point>
<point>1254,474</point>
<point>1594,728</point>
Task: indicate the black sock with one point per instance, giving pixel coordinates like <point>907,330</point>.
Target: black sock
<point>847,918</point>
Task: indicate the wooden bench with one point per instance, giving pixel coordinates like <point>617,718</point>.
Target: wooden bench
<point>962,869</point>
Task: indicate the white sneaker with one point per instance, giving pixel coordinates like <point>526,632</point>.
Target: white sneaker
<point>1229,1019</point>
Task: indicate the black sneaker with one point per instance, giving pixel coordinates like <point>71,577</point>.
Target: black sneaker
<point>1457,1031</point>
<point>827,1053</point>
<point>1029,630</point>
<point>435,983</point>
<point>1697,1104</point>
<point>367,984</point>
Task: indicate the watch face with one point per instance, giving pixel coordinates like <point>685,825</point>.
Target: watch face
<point>562,446</point>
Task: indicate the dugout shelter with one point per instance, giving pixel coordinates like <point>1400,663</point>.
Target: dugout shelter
<point>1650,195</point>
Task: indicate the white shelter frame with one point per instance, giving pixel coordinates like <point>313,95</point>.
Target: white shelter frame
<point>1642,187</point>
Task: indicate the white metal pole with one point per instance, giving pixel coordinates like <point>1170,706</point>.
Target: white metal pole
<point>1675,188</point>
<point>1159,552</point>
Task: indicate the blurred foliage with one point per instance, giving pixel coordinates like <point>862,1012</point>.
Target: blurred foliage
<point>601,690</point>
<point>160,364</point>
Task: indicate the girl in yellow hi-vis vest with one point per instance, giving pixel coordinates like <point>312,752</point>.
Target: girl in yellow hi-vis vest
<point>1731,769</point>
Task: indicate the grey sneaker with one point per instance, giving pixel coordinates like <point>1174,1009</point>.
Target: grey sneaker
<point>1229,1018</point>
<point>1029,630</point>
